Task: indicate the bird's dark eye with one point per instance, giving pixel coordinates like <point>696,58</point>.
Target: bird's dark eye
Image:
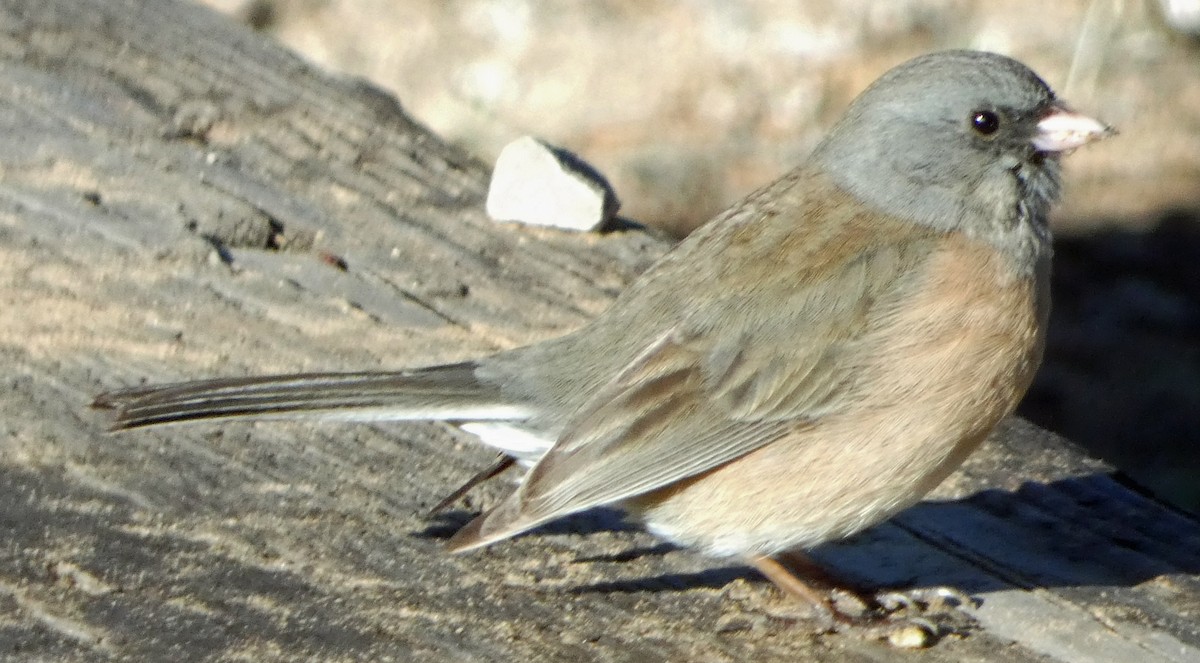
<point>985,122</point>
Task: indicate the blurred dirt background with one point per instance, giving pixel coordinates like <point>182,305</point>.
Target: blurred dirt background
<point>688,106</point>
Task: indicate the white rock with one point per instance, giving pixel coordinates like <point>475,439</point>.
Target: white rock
<point>537,184</point>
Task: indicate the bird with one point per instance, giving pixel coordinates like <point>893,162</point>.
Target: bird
<point>803,366</point>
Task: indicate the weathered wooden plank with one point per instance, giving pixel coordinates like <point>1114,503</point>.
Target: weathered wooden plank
<point>169,185</point>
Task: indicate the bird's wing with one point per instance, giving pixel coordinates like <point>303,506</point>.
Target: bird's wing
<point>727,380</point>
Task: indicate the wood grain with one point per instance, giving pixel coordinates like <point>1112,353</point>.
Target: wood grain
<point>178,197</point>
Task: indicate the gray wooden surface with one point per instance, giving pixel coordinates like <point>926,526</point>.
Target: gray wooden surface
<point>175,195</point>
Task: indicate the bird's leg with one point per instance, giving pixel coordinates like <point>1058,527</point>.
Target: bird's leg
<point>799,576</point>
<point>500,465</point>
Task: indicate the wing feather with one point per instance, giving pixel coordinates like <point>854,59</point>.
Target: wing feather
<point>695,400</point>
<point>761,340</point>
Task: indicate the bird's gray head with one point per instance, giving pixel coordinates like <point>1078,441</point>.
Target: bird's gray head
<point>956,140</point>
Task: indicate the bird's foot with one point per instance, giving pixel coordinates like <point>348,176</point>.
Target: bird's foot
<point>935,600</point>
<point>909,619</point>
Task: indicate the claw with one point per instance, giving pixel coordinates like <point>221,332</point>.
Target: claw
<point>957,597</point>
<point>896,616</point>
<point>929,599</point>
<point>895,601</point>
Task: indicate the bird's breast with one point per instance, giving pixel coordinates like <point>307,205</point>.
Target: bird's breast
<point>942,365</point>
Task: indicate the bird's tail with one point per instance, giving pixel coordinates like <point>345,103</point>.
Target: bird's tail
<point>449,393</point>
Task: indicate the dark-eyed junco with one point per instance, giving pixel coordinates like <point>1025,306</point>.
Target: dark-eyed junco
<point>803,366</point>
